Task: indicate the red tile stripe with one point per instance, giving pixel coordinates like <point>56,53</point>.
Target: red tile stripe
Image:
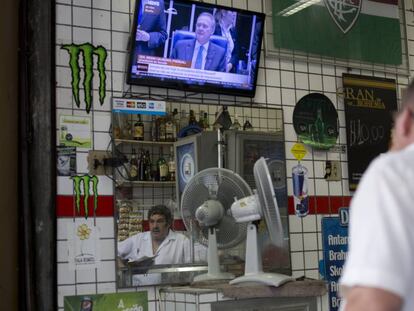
<point>322,204</point>
<point>65,207</point>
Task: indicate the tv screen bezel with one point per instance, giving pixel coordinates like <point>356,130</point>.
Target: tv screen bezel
<point>181,84</point>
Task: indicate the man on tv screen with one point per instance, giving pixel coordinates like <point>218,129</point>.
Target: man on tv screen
<point>202,53</point>
<point>151,33</point>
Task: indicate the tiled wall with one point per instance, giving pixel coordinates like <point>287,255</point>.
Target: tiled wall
<point>281,83</point>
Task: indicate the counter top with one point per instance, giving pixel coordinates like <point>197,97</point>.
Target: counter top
<point>305,288</point>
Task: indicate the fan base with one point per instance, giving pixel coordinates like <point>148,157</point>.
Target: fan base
<point>271,279</point>
<point>212,277</point>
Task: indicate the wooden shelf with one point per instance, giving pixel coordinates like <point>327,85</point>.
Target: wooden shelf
<point>143,142</point>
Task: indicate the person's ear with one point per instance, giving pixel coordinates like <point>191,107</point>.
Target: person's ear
<point>406,122</point>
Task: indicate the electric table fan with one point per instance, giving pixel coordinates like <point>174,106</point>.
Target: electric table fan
<point>262,204</point>
<point>205,210</point>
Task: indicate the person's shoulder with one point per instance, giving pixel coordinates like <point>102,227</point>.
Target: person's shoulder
<point>393,162</point>
<point>217,47</point>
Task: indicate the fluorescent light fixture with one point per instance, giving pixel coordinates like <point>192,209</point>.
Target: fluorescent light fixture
<point>298,6</point>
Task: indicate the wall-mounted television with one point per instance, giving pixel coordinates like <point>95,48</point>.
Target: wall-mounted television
<point>195,46</point>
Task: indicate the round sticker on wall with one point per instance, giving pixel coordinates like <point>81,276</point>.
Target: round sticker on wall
<point>316,121</point>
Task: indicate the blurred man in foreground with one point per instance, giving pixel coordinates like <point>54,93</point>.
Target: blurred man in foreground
<point>379,271</point>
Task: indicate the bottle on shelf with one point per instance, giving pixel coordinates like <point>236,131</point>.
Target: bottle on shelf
<point>171,165</point>
<point>192,119</point>
<point>133,166</point>
<point>169,127</point>
<point>148,166</point>
<point>126,130</point>
<point>154,129</point>
<point>225,118</point>
<point>206,123</point>
<point>139,129</point>
<point>247,126</point>
<point>201,119</point>
<point>161,129</point>
<point>176,121</point>
<point>183,119</point>
<point>162,167</point>
<point>236,124</point>
<point>141,166</point>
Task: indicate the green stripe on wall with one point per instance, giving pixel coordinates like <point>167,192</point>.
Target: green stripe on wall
<point>373,39</point>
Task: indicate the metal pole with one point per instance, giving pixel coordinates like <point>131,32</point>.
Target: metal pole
<point>37,141</point>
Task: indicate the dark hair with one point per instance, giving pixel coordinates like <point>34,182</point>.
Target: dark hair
<point>161,210</point>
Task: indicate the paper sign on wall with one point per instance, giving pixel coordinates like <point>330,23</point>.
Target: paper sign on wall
<point>84,252</point>
<point>75,131</point>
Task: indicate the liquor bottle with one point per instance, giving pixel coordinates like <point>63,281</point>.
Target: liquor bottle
<point>183,119</point>
<point>206,123</point>
<point>236,125</point>
<point>201,119</point>
<point>192,119</point>
<point>169,127</point>
<point>225,118</point>
<point>154,128</point>
<point>139,129</point>
<point>318,130</point>
<point>161,129</point>
<point>148,166</point>
<point>141,166</point>
<point>171,165</point>
<point>162,167</point>
<point>133,166</point>
<point>247,126</point>
<point>176,121</point>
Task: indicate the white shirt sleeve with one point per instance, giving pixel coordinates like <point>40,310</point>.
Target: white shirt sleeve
<point>125,248</point>
<point>381,246</point>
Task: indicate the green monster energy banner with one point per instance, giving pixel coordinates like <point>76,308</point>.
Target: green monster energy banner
<point>85,183</point>
<point>88,51</point>
<point>136,301</point>
<point>369,103</point>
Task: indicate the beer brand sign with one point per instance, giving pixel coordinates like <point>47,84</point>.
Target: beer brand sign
<point>344,12</point>
<point>85,184</point>
<point>87,51</point>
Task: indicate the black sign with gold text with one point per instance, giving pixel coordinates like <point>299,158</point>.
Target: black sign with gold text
<point>369,103</point>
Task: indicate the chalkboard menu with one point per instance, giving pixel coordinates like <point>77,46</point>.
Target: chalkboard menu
<point>369,103</point>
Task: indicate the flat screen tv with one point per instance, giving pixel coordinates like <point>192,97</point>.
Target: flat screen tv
<point>195,46</point>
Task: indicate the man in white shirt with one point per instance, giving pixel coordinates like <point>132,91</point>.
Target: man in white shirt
<point>167,246</point>
<point>202,53</point>
<point>379,271</point>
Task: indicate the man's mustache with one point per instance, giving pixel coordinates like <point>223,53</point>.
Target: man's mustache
<point>155,230</point>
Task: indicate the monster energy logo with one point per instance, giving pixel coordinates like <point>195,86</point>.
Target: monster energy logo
<point>87,50</point>
<point>338,9</point>
<point>85,181</point>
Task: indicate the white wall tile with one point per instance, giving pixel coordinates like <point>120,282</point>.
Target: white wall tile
<point>65,276</point>
<point>82,17</point>
<point>296,242</point>
<point>101,4</point>
<point>310,242</point>
<point>121,6</point>
<point>120,22</point>
<point>287,78</point>
<point>109,287</point>
<point>309,223</point>
<point>86,289</point>
<point>106,272</point>
<point>86,276</point>
<point>63,14</point>
<point>311,260</point>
